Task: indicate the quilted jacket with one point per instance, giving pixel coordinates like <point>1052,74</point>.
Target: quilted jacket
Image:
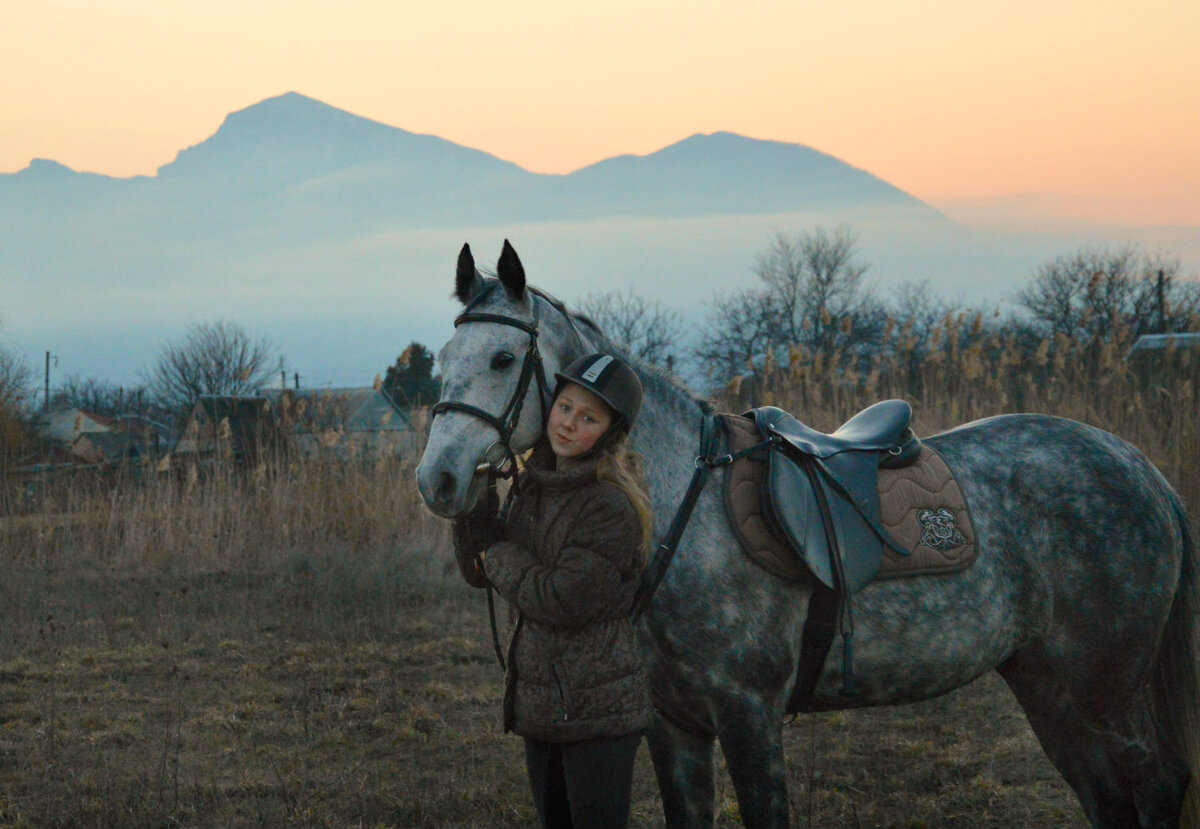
<point>569,568</point>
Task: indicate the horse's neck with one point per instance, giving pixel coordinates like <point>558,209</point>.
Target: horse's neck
<point>668,437</point>
<point>667,433</point>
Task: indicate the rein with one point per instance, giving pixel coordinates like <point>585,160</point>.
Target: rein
<point>653,575</point>
<point>506,422</point>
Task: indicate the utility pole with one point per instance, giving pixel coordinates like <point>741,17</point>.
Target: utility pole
<point>46,401</point>
<point>297,376</point>
<point>1162,302</point>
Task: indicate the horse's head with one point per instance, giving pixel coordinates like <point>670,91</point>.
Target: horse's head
<point>507,341</point>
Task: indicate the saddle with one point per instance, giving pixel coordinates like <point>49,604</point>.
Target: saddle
<point>865,502</point>
<point>821,492</point>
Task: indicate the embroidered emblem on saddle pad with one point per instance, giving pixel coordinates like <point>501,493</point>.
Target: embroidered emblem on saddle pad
<point>938,529</point>
<point>921,506</point>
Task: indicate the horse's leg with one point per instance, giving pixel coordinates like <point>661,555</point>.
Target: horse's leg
<point>1103,739</point>
<point>1156,777</point>
<point>1069,742</point>
<point>752,742</point>
<point>683,764</point>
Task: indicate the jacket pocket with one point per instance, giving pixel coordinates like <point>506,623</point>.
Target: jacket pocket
<point>563,690</point>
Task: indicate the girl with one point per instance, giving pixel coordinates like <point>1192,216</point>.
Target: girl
<point>568,562</point>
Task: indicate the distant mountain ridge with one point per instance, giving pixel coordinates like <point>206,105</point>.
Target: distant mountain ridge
<point>295,137</point>
<point>329,231</point>
<point>336,236</point>
<point>318,161</point>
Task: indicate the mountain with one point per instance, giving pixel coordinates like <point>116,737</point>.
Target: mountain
<point>292,158</point>
<point>724,173</point>
<point>336,234</point>
<point>292,138</point>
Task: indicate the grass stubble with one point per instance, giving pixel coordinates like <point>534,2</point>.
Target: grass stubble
<point>290,645</point>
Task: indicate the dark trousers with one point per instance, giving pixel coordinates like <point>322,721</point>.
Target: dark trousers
<point>582,785</point>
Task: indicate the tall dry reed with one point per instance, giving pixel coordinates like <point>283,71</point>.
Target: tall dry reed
<point>337,540</point>
<point>968,373</point>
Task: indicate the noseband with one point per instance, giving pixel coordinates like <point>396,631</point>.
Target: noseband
<point>506,422</point>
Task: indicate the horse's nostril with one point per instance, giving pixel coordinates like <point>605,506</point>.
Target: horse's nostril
<point>446,486</point>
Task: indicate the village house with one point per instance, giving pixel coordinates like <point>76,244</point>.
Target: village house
<point>1160,358</point>
<point>344,422</point>
<point>338,423</point>
<point>79,437</point>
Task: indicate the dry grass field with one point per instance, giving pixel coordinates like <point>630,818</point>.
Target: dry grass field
<point>289,646</point>
<point>310,695</point>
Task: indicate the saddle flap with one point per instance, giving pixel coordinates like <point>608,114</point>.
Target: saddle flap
<point>790,508</point>
<point>792,505</point>
<point>858,541</point>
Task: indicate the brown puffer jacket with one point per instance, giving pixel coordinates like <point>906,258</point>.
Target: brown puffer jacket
<point>569,567</point>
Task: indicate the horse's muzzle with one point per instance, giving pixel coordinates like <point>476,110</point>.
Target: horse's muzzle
<point>445,495</point>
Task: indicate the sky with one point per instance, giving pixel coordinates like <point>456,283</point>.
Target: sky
<point>1015,110</point>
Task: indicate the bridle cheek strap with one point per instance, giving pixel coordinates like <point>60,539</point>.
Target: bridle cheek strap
<point>506,423</point>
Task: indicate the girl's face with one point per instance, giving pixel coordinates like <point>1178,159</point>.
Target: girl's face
<point>577,420</point>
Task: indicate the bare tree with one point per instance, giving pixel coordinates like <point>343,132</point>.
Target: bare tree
<point>919,312</point>
<point>738,330</point>
<point>812,294</point>
<point>94,395</point>
<point>15,383</point>
<point>649,331</point>
<point>1089,293</point>
<point>213,358</point>
<point>816,289</point>
<point>781,268</point>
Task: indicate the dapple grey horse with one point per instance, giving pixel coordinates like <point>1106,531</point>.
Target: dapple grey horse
<point>1084,595</point>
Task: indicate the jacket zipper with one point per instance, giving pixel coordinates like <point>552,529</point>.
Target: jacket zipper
<point>562,692</point>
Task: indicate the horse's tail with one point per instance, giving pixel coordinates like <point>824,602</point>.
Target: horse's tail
<point>1177,670</point>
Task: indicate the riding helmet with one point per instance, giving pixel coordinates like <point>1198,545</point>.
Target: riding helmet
<point>609,378</point>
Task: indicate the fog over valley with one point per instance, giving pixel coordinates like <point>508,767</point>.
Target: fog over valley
<point>336,237</point>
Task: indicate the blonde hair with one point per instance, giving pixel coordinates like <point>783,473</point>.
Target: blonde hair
<point>621,466</point>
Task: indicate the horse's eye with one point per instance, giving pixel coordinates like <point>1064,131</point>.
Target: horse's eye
<point>502,360</point>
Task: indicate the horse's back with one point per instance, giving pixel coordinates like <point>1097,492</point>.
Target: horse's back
<point>1044,459</point>
<point>1084,516</point>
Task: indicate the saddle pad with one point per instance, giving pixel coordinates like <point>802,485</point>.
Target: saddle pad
<point>922,507</point>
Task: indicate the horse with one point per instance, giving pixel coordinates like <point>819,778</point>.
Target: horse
<point>1084,595</point>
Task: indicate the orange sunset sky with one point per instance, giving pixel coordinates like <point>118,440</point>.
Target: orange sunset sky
<point>1068,109</point>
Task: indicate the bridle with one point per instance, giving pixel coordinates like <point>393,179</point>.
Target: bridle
<point>505,466</point>
<point>506,422</point>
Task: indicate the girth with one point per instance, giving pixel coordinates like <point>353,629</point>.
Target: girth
<point>821,495</point>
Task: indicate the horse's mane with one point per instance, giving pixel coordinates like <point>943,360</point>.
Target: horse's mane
<point>656,381</point>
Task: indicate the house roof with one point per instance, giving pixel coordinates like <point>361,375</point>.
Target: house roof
<point>1155,342</point>
<point>67,424</point>
<point>353,409</point>
<point>140,425</point>
<point>108,447</point>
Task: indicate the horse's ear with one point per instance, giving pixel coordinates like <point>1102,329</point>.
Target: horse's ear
<point>467,276</point>
<point>511,272</point>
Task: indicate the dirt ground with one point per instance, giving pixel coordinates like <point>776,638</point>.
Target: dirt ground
<point>302,698</point>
